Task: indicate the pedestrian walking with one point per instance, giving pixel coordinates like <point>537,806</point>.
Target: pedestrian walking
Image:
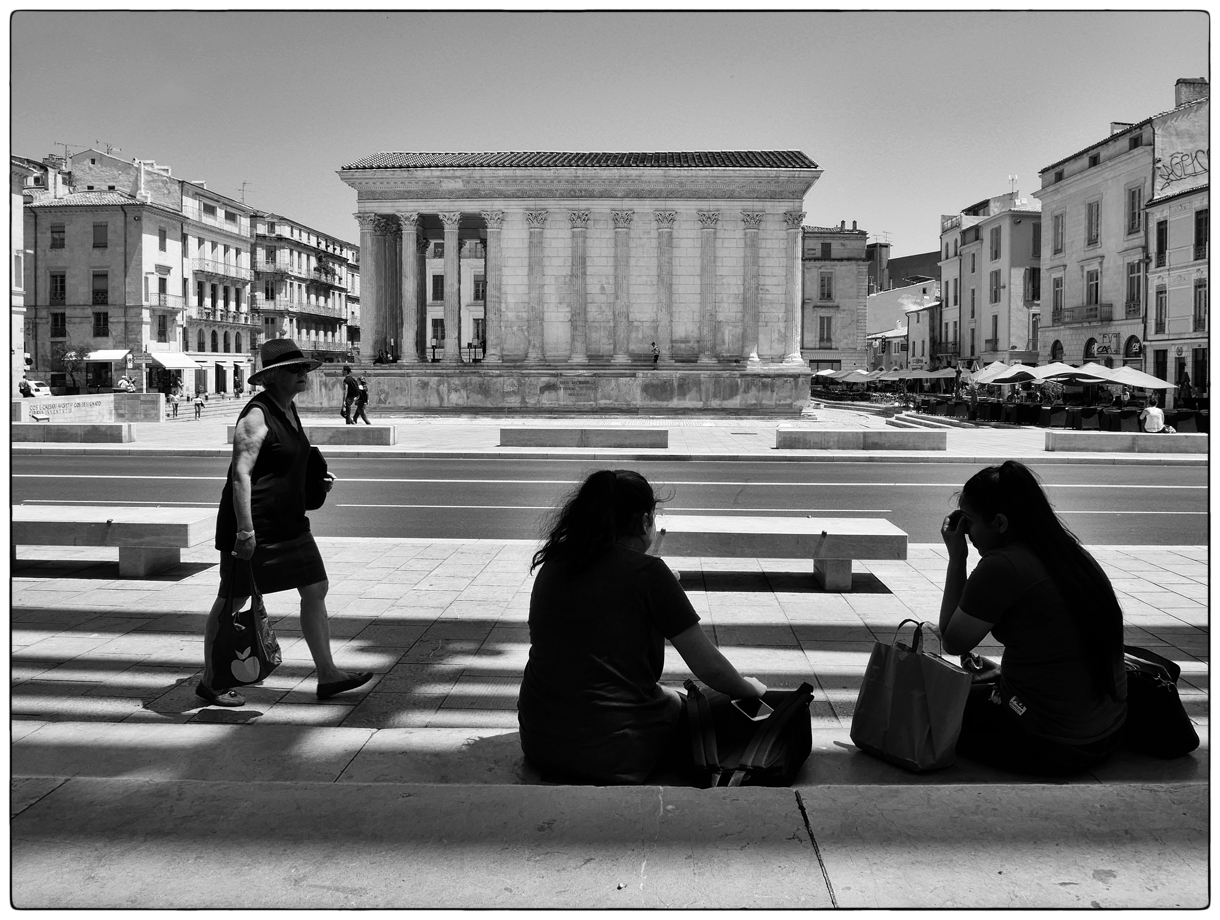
<point>362,400</point>
<point>173,404</point>
<point>24,387</point>
<point>199,401</point>
<point>262,518</point>
<point>656,354</point>
<point>351,389</point>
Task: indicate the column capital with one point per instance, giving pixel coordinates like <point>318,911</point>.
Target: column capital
<point>408,219</point>
<point>451,219</point>
<point>579,219</point>
<point>421,244</point>
<point>383,224</point>
<point>752,219</point>
<point>665,219</point>
<point>365,220</point>
<point>622,219</point>
<point>536,219</point>
<point>793,219</point>
<point>493,219</point>
<point>708,220</point>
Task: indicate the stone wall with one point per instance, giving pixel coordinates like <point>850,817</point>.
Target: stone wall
<point>92,408</point>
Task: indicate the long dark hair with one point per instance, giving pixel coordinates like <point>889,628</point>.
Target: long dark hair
<point>1012,489</point>
<point>609,504</point>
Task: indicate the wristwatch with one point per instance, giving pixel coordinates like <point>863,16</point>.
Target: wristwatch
<point>245,534</point>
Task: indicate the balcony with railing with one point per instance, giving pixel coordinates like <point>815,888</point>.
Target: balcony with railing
<point>328,277</point>
<point>221,315</point>
<point>1088,313</point>
<point>272,266</point>
<point>221,269</point>
<point>1160,258</point>
<point>991,344</point>
<point>1200,251</point>
<point>240,225</point>
<point>171,301</point>
<point>1132,309</point>
<point>1200,321</point>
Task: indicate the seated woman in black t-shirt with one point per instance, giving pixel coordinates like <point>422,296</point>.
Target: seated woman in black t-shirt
<point>591,708</point>
<point>1060,702</point>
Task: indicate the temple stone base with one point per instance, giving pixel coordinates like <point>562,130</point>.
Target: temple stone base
<point>509,389</point>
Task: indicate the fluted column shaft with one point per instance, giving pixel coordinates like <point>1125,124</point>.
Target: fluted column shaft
<point>370,264</point>
<point>792,289</point>
<point>708,221</point>
<point>493,278</point>
<point>665,284</point>
<point>536,220</point>
<point>407,320</point>
<point>421,296</point>
<point>580,288</point>
<point>622,286</point>
<point>391,286</point>
<point>749,325</point>
<point>453,314</point>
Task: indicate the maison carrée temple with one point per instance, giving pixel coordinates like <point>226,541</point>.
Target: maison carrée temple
<point>608,281</point>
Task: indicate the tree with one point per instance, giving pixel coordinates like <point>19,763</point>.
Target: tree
<point>74,359</point>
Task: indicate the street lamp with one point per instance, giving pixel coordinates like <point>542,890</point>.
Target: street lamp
<point>434,351</point>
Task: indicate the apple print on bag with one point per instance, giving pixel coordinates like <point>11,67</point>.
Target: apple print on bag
<point>245,668</point>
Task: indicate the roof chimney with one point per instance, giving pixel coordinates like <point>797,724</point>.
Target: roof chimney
<point>853,225</point>
<point>1189,89</point>
<point>842,225</point>
<point>1117,126</point>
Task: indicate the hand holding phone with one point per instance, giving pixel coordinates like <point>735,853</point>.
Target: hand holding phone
<point>752,708</point>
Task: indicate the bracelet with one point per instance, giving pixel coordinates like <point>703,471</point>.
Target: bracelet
<point>245,534</point>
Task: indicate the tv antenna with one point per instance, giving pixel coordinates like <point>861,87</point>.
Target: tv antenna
<point>1012,184</point>
<point>110,148</point>
<point>66,146</point>
<point>244,183</point>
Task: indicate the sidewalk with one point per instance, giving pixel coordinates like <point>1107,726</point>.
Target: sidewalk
<point>690,438</point>
<point>411,791</point>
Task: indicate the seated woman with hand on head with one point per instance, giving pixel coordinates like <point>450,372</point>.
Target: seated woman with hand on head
<point>591,708</point>
<point>1060,703</point>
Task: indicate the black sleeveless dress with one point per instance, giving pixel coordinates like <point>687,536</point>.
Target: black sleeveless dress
<point>285,554</point>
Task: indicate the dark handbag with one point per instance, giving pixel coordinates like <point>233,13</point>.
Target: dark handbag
<point>909,710</point>
<point>245,649</point>
<point>730,749</point>
<point>315,478</point>
<point>1157,723</point>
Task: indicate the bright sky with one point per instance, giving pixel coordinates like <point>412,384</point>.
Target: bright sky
<point>911,115</point>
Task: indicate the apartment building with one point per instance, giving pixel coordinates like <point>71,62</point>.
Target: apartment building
<point>303,284</point>
<point>888,349</point>
<point>991,281</point>
<point>834,264</point>
<point>20,171</point>
<point>1097,204</point>
<point>1177,225</point>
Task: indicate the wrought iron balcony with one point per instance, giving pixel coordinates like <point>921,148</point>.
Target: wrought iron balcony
<point>1132,309</point>
<point>1159,259</point>
<point>273,266</point>
<point>240,226</point>
<point>1200,251</point>
<point>173,301</point>
<point>223,269</point>
<point>1087,313</point>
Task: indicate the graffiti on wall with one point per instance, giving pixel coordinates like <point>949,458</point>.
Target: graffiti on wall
<point>1181,166</point>
<point>1181,157</point>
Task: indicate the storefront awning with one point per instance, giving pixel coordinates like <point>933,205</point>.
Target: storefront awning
<point>108,354</point>
<point>175,360</point>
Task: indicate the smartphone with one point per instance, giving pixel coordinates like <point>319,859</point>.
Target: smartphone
<point>753,708</point>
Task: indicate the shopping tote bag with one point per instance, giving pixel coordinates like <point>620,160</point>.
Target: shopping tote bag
<point>910,706</point>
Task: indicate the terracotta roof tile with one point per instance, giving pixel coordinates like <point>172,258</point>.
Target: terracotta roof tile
<point>733,159</point>
<point>85,199</point>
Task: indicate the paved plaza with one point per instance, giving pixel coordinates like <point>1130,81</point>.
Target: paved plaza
<point>411,791</point>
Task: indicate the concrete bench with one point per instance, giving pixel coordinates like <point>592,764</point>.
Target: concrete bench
<point>832,543</point>
<point>358,435</point>
<point>60,432</point>
<point>861,439</point>
<point>584,437</point>
<point>1126,442</point>
<point>149,540</point>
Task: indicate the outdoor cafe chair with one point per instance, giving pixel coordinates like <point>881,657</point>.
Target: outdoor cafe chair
<point>1089,420</point>
<point>1129,420</point>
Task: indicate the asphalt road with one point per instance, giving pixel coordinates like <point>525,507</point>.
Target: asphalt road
<point>498,498</point>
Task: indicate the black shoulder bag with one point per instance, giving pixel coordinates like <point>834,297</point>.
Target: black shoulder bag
<point>1157,723</point>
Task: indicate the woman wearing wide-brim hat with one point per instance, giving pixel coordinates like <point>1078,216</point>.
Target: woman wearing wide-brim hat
<point>262,518</point>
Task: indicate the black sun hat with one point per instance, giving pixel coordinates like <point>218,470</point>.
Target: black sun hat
<point>280,353</point>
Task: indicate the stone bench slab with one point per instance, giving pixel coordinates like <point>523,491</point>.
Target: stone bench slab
<point>861,439</point>
<point>66,432</point>
<point>149,540</point>
<point>584,437</point>
<point>832,543</point>
<point>1127,442</point>
<point>357,435</point>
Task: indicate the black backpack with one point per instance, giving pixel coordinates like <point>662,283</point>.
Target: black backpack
<point>732,750</point>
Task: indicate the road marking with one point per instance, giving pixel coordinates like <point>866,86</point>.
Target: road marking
<point>784,511</point>
<point>663,482</point>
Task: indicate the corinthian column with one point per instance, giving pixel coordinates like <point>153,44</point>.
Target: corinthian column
<point>708,221</point>
<point>421,295</point>
<point>580,288</point>
<point>665,283</point>
<point>749,322</point>
<point>493,273</point>
<point>533,327</point>
<point>792,289</point>
<point>622,286</point>
<point>453,315</point>
<point>391,284</point>
<point>370,265</point>
<point>407,322</point>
